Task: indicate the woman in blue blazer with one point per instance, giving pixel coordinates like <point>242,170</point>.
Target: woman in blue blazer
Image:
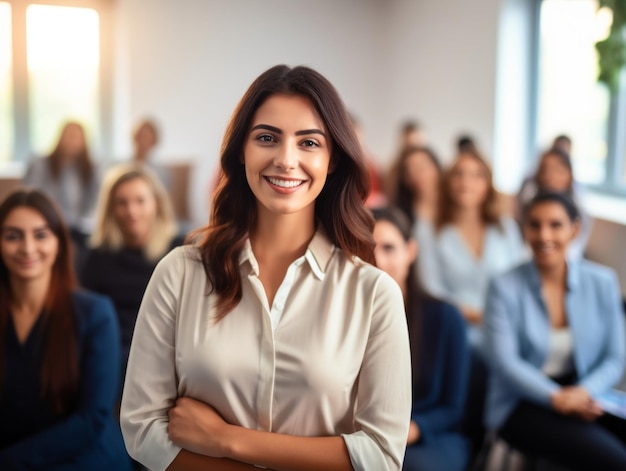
<point>555,340</point>
<point>440,354</point>
<point>59,354</point>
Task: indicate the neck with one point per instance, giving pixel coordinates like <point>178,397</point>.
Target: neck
<point>282,235</point>
<point>29,296</point>
<point>426,205</point>
<point>135,241</point>
<point>467,216</point>
<point>556,274</point>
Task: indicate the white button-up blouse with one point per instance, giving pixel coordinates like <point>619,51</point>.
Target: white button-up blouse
<point>330,357</point>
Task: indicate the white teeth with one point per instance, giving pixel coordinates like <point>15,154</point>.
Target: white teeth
<point>285,183</point>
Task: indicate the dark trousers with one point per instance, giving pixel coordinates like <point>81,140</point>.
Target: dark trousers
<point>567,441</point>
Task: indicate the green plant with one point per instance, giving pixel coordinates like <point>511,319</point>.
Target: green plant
<point>612,50</point>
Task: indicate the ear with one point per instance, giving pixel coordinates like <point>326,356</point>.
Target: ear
<point>412,250</point>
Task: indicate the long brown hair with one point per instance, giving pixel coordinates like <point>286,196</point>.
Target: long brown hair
<point>60,369</point>
<point>83,160</point>
<point>490,209</point>
<point>339,207</point>
<point>403,194</point>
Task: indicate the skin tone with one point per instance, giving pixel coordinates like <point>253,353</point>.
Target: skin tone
<point>468,187</point>
<point>134,210</point>
<point>553,175</point>
<point>394,255</point>
<point>422,175</point>
<point>29,250</point>
<point>549,230</point>
<point>286,160</point>
<point>145,141</point>
<point>72,142</point>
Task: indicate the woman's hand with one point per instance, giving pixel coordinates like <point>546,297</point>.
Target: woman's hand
<point>197,427</point>
<point>574,400</point>
<point>471,315</point>
<point>414,433</point>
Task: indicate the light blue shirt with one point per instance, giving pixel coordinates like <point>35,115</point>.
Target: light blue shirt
<point>457,275</point>
<point>517,329</point>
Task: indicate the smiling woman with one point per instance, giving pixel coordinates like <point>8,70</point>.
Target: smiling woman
<point>267,342</point>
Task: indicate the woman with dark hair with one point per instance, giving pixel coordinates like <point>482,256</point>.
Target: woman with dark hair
<point>439,354</point>
<point>60,351</point>
<point>415,185</point>
<point>267,342</point>
<point>556,173</point>
<point>69,177</point>
<point>555,338</point>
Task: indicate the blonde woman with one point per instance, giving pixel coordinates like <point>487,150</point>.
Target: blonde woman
<point>135,228</point>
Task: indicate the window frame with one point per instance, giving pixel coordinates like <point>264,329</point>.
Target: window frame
<point>615,164</point>
<point>22,145</point>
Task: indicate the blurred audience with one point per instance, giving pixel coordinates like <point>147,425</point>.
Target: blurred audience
<point>412,134</point>
<point>60,352</point>
<point>439,354</point>
<point>376,196</point>
<point>145,140</point>
<point>555,338</point>
<point>70,178</point>
<point>555,172</point>
<point>135,228</point>
<point>415,181</point>
<point>466,143</point>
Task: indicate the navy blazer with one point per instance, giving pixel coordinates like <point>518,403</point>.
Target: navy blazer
<point>89,437</point>
<point>517,329</point>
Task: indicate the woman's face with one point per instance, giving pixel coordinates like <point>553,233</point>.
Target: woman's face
<point>145,139</point>
<point>28,246</point>
<point>393,254</point>
<point>421,174</point>
<point>135,210</point>
<point>287,155</point>
<point>72,141</point>
<point>468,183</point>
<point>553,174</point>
<point>549,230</point>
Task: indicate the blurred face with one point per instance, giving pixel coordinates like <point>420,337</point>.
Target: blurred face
<point>553,175</point>
<point>469,183</point>
<point>72,141</point>
<point>145,139</point>
<point>548,230</point>
<point>287,155</point>
<point>393,254</point>
<point>134,210</point>
<point>413,138</point>
<point>28,246</point>
<point>422,175</point>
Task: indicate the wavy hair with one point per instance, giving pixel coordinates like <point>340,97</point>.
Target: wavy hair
<point>60,368</point>
<point>339,208</point>
<point>107,233</point>
<point>490,209</point>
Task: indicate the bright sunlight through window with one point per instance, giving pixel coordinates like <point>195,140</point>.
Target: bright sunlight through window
<point>63,66</point>
<point>6,80</point>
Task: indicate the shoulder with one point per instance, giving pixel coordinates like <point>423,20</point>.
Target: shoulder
<point>181,262</point>
<point>514,278</point>
<point>594,271</point>
<point>92,308</point>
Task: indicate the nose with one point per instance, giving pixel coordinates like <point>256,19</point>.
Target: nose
<point>286,156</point>
<point>28,245</point>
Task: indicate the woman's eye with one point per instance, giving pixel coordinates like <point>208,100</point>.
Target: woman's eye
<point>266,138</point>
<point>42,235</point>
<point>11,236</point>
<point>310,143</point>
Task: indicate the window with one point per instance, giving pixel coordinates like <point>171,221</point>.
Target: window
<point>570,100</point>
<point>6,80</point>
<point>51,72</point>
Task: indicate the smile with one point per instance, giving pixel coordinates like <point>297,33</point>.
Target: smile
<point>284,183</point>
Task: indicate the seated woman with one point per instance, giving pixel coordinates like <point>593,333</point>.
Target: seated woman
<point>135,228</point>
<point>474,240</point>
<point>59,356</point>
<point>439,352</point>
<point>555,173</point>
<point>555,338</point>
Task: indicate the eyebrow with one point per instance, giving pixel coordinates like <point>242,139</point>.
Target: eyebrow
<point>279,131</point>
<point>17,229</point>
